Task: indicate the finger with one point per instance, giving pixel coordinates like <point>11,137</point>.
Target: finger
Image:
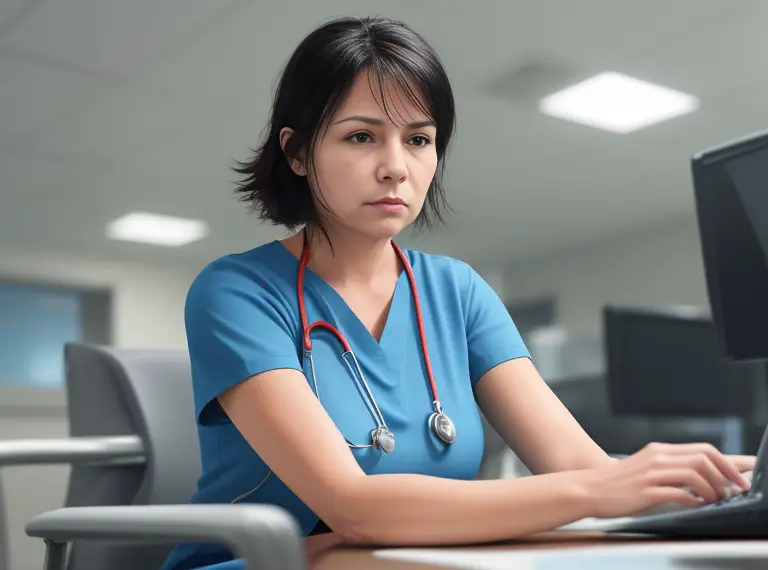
<point>725,466</point>
<point>674,495</point>
<point>728,468</point>
<point>743,462</point>
<point>704,466</point>
<point>686,477</point>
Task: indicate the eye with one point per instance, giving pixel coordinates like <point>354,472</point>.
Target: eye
<point>360,138</point>
<point>420,140</point>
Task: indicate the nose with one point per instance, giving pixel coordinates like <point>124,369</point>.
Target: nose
<point>392,165</point>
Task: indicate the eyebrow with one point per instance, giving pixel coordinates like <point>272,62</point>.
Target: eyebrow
<point>379,122</point>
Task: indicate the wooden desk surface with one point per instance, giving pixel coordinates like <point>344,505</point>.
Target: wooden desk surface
<point>558,550</point>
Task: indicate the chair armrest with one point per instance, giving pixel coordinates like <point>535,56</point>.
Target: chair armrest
<point>4,557</point>
<point>127,449</point>
<point>266,536</point>
<point>72,450</point>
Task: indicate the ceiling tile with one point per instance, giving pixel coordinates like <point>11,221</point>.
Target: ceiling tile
<point>750,99</point>
<point>112,37</point>
<point>58,205</point>
<point>12,10</point>
<point>127,121</point>
<point>243,56</point>
<point>713,58</point>
<point>32,95</point>
<point>208,148</point>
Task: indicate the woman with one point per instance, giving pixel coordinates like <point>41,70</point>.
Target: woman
<point>381,447</point>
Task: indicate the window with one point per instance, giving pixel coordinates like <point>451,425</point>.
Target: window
<point>36,321</point>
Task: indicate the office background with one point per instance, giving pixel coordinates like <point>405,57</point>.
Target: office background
<point>110,107</point>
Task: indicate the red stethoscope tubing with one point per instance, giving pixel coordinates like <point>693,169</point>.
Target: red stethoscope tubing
<point>307,328</point>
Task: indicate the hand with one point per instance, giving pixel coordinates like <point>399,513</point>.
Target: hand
<point>687,474</point>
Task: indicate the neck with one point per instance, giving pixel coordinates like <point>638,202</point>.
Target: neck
<point>354,260</point>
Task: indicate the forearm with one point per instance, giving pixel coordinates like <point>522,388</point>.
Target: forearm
<point>402,509</point>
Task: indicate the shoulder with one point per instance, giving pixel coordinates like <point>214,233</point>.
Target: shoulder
<point>257,275</point>
<point>449,273</point>
<point>453,284</point>
<point>254,268</point>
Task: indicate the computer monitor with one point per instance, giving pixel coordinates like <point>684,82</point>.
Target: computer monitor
<point>731,192</point>
<point>666,363</point>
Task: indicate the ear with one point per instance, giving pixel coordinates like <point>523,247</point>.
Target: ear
<point>296,164</point>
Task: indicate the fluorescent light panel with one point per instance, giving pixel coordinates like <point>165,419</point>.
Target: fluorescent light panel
<point>154,229</point>
<point>617,103</point>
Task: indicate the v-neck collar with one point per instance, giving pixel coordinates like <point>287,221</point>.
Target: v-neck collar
<point>395,328</point>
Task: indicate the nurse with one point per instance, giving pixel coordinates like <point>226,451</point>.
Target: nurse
<point>366,425</point>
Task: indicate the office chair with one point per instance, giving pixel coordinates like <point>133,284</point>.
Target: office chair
<point>135,464</point>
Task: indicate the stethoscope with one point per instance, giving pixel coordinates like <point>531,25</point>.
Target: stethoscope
<point>381,437</point>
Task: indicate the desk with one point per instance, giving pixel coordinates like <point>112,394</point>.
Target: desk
<point>559,550</point>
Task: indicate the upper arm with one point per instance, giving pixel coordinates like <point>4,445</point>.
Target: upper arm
<point>492,337</point>
<point>236,327</point>
<point>243,346</point>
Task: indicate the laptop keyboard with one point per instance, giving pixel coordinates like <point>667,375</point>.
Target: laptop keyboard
<point>735,499</point>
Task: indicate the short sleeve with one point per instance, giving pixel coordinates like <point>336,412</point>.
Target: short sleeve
<point>492,337</point>
<point>237,326</point>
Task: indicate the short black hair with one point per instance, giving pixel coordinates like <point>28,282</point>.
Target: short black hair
<point>314,84</point>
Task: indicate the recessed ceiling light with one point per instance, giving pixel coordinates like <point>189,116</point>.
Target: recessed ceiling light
<point>156,229</point>
<point>618,103</point>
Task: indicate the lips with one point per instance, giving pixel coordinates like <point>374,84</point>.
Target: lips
<point>391,201</point>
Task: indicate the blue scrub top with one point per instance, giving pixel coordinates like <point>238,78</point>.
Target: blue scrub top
<point>242,318</point>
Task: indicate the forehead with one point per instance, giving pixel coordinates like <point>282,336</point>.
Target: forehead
<point>385,100</point>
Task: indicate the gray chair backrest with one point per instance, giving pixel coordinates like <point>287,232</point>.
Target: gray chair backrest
<point>113,391</point>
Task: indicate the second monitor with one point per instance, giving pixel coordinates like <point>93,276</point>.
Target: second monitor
<point>666,363</point>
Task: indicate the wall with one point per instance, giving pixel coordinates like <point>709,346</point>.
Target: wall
<point>658,266</point>
<point>147,312</point>
<point>138,291</point>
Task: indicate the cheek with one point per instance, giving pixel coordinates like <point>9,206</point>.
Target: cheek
<point>424,171</point>
<point>336,165</point>
<point>336,173</point>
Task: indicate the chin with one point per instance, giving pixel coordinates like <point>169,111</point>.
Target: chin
<point>383,230</point>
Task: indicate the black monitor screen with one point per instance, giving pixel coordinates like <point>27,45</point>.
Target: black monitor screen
<point>664,364</point>
<point>731,188</point>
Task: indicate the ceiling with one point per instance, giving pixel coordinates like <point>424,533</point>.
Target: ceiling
<point>108,106</point>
